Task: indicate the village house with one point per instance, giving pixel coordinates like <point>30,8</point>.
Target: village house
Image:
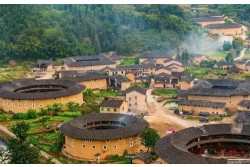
<point>225,65</point>
<point>228,91</point>
<point>158,55</point>
<point>243,65</point>
<point>162,80</point>
<point>113,106</point>
<point>186,82</point>
<point>137,69</point>
<point>142,158</point>
<point>243,117</point>
<point>119,82</point>
<point>137,99</point>
<point>86,63</point>
<point>175,67</point>
<point>196,107</point>
<point>163,69</point>
<point>42,66</point>
<point>227,29</point>
<point>203,21</point>
<point>171,61</point>
<point>247,42</point>
<point>244,105</point>
<point>95,80</point>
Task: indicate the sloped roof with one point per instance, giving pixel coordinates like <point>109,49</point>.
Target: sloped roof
<point>144,156</point>
<point>156,54</point>
<point>207,19</point>
<point>243,117</point>
<point>202,103</point>
<point>222,26</point>
<point>81,61</point>
<point>120,78</point>
<point>244,103</point>
<point>162,78</point>
<point>137,89</point>
<point>111,103</point>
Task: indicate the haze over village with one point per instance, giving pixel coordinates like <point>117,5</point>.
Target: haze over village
<point>124,84</point>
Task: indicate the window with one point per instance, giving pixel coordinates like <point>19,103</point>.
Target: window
<point>33,105</point>
<point>19,105</point>
<point>247,107</point>
<point>115,146</point>
<point>129,99</point>
<point>129,105</point>
<point>120,139</point>
<point>123,108</point>
<point>115,110</point>
<point>40,105</point>
<point>136,97</point>
<point>135,103</point>
<point>108,140</point>
<point>130,137</point>
<point>93,147</point>
<point>131,144</point>
<point>83,146</point>
<point>105,147</point>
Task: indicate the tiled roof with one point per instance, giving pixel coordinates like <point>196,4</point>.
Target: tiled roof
<point>156,54</point>
<point>137,89</point>
<point>244,103</point>
<point>75,129</point>
<point>81,61</point>
<point>120,78</point>
<point>111,103</point>
<point>202,103</point>
<point>224,63</point>
<point>221,26</point>
<point>207,19</point>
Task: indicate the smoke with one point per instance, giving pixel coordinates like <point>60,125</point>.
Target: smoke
<point>198,43</point>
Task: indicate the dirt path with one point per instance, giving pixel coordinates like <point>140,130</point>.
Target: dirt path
<point>162,119</point>
<point>242,54</point>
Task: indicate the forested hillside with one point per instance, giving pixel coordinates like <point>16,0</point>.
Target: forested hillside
<point>54,31</point>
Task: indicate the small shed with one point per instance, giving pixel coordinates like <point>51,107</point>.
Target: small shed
<point>142,158</point>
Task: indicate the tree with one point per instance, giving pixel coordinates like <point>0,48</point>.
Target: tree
<point>31,114</point>
<point>207,63</point>
<point>229,57</point>
<point>22,153</point>
<point>237,43</point>
<point>149,137</point>
<point>227,46</point>
<point>72,106</point>
<point>20,130</point>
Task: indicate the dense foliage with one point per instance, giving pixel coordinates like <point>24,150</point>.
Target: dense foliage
<point>149,137</point>
<point>45,31</point>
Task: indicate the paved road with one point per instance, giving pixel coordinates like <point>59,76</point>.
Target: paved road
<point>242,54</point>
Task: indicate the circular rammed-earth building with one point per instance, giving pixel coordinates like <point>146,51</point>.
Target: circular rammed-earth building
<point>102,134</point>
<point>35,94</point>
<point>207,144</point>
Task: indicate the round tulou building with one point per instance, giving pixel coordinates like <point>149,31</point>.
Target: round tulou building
<point>34,94</point>
<point>208,144</point>
<point>97,135</point>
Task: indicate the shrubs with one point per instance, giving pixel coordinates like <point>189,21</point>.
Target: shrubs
<point>31,114</point>
<point>70,114</point>
<point>20,116</point>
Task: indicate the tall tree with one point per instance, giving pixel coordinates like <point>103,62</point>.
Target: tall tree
<point>149,137</point>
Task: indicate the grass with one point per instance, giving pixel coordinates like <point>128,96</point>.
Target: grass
<point>8,73</point>
<point>106,93</point>
<point>130,61</point>
<point>70,114</point>
<point>3,117</point>
<point>60,118</point>
<point>193,118</point>
<point>159,92</point>
<point>143,84</point>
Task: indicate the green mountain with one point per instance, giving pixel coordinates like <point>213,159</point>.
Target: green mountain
<point>29,32</point>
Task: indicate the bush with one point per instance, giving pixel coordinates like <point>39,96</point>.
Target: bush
<point>20,116</point>
<point>227,46</point>
<point>176,111</point>
<point>31,114</point>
